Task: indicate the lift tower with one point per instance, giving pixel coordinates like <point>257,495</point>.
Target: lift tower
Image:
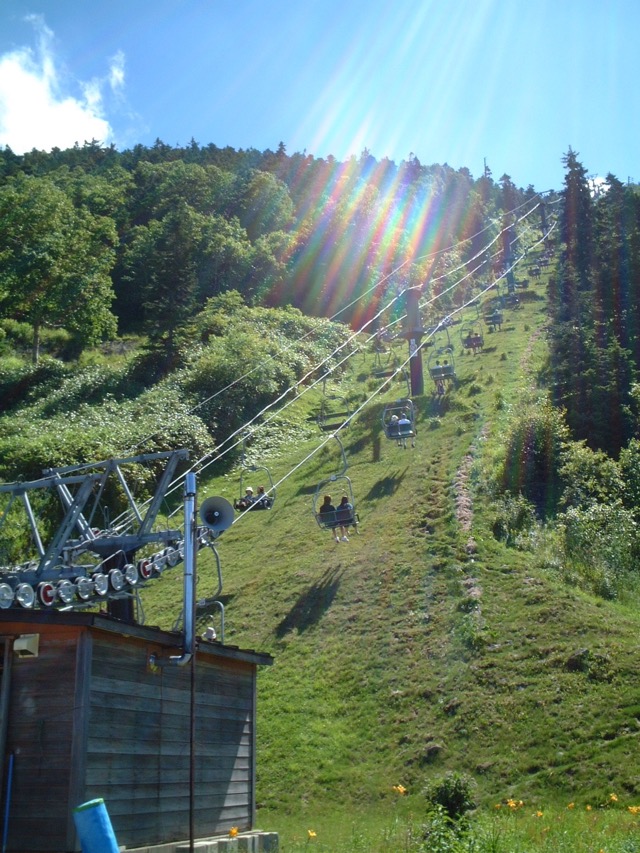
<point>413,333</point>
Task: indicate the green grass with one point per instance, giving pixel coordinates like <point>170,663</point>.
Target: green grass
<point>408,828</point>
<point>420,647</point>
<point>424,645</point>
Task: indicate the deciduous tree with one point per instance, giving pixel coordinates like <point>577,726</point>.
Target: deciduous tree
<point>55,261</point>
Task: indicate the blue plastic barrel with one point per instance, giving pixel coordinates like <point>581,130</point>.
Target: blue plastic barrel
<point>94,828</point>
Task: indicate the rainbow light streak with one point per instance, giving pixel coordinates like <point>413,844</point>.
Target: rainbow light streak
<point>361,221</point>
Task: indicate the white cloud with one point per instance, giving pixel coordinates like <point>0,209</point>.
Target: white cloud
<point>35,111</point>
<point>116,72</point>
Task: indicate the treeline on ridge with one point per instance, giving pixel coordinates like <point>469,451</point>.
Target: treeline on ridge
<point>570,472</point>
<point>100,242</point>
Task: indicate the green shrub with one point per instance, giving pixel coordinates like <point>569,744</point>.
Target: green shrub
<point>18,334</point>
<point>514,516</point>
<point>21,381</point>
<point>629,469</point>
<point>603,543</point>
<point>590,476</point>
<point>535,441</point>
<point>451,792</point>
<point>441,834</point>
<point>157,420</point>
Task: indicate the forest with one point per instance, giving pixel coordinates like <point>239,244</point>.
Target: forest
<point>100,242</point>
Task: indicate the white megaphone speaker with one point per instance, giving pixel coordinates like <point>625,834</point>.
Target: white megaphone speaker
<point>216,514</point>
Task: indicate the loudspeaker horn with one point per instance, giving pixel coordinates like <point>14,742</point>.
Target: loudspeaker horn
<point>216,514</point>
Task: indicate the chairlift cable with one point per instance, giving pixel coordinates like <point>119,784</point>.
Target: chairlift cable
<point>344,308</point>
<point>214,455</point>
<point>218,455</point>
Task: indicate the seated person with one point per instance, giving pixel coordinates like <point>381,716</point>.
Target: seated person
<point>392,428</point>
<point>262,500</point>
<point>327,515</point>
<point>404,424</point>
<point>344,516</point>
<point>246,501</point>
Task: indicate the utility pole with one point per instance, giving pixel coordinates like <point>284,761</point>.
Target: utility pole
<point>508,239</point>
<point>543,217</point>
<point>413,333</point>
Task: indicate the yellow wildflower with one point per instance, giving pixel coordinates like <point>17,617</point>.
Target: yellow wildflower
<point>634,809</point>
<point>498,806</point>
<point>539,813</point>
<point>571,806</point>
<point>588,808</point>
<point>311,834</point>
<point>613,798</point>
<point>233,832</point>
<point>400,789</point>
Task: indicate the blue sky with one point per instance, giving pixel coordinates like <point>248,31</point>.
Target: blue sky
<point>515,82</point>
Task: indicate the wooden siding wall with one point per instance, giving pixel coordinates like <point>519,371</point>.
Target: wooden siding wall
<point>42,713</point>
<point>138,744</point>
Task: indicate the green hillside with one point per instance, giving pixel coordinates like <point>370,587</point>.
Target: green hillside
<point>424,644</point>
<point>482,621</point>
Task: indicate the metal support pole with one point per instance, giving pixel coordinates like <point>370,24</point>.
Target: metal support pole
<point>414,336</point>
<point>189,603</point>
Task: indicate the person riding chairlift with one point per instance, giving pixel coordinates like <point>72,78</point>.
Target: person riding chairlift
<point>332,520</point>
<point>262,500</point>
<point>247,501</point>
<point>344,516</point>
<point>405,430</point>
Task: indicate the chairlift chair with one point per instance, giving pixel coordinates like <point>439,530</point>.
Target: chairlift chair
<point>494,319</point>
<point>399,422</point>
<point>512,301</point>
<point>339,483</point>
<point>259,500</point>
<point>335,411</point>
<point>383,367</point>
<point>441,366</point>
<point>472,336</point>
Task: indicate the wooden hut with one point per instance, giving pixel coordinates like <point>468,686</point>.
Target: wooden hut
<point>86,715</point>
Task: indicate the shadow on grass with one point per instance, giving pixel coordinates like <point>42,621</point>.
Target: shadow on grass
<point>311,605</point>
<point>385,487</point>
<point>435,406</point>
<point>308,489</point>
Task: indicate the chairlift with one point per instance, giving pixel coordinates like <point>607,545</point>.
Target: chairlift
<point>335,411</point>
<point>494,319</point>
<point>384,361</point>
<point>265,495</point>
<point>399,422</point>
<point>472,337</point>
<point>477,307</point>
<point>441,367</point>
<point>335,517</point>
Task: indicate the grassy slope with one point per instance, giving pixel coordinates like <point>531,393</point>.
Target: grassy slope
<point>408,651</point>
